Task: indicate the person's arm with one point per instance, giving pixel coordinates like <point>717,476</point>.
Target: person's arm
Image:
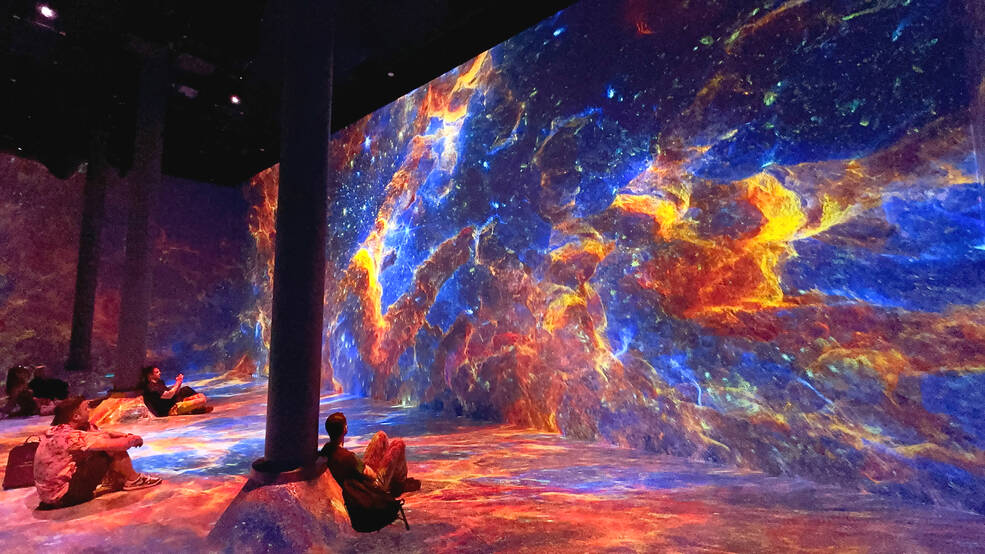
<point>369,473</point>
<point>168,394</point>
<point>116,435</point>
<point>116,444</point>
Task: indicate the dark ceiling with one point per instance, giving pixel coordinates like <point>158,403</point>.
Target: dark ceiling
<point>63,76</point>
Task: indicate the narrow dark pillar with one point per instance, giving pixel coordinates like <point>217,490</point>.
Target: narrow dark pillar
<point>976,78</point>
<point>80,345</point>
<point>142,183</point>
<point>299,266</point>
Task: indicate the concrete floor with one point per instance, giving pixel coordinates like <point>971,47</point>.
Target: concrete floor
<point>486,488</point>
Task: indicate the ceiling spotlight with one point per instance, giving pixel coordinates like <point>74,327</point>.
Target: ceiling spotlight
<point>46,11</point>
<point>235,99</point>
<point>389,74</point>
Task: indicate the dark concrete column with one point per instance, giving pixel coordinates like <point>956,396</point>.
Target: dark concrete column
<point>97,172</point>
<point>142,184</point>
<point>299,266</point>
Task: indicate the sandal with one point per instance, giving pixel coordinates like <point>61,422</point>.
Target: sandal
<point>142,482</point>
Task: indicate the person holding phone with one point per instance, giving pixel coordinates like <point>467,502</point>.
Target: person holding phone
<point>163,400</point>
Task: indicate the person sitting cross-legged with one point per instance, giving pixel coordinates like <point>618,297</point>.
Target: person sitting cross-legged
<point>384,460</point>
<point>163,400</point>
<point>75,457</point>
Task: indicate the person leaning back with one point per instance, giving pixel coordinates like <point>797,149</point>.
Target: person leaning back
<point>163,400</point>
<point>384,461</point>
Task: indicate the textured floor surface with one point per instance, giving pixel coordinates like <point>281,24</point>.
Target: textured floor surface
<point>486,488</point>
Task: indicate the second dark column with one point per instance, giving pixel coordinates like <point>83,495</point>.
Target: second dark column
<point>142,183</point>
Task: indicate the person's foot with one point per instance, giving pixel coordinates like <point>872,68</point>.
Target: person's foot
<point>142,482</point>
<point>106,488</point>
<point>411,484</point>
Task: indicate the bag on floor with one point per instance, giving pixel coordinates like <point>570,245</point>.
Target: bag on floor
<point>370,507</point>
<point>20,465</point>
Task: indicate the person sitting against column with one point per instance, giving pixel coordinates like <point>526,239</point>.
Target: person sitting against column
<point>75,458</point>
<point>384,460</point>
<point>163,400</point>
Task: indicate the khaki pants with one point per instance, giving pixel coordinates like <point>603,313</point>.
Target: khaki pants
<point>189,406</point>
<point>388,459</point>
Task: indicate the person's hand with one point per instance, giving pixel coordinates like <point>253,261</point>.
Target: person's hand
<point>134,440</point>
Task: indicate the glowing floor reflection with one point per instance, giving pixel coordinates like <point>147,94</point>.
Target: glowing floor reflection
<point>486,488</point>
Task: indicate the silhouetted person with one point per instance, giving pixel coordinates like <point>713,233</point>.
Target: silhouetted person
<point>163,400</point>
<point>49,388</point>
<point>20,398</point>
<point>29,393</point>
<point>384,461</point>
<point>75,457</point>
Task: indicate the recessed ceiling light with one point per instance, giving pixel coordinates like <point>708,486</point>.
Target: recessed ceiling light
<point>46,11</point>
<point>235,99</point>
<point>389,74</point>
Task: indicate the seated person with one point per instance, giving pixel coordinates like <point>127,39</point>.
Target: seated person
<point>49,388</point>
<point>162,400</point>
<point>74,458</point>
<point>20,397</point>
<point>384,461</point>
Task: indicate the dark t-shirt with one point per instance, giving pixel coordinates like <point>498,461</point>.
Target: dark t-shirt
<point>342,463</point>
<point>162,406</point>
<point>152,397</point>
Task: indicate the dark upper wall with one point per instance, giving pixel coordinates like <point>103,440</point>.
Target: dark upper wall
<point>66,76</point>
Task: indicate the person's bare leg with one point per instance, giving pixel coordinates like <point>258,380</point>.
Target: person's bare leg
<point>120,469</point>
<point>394,471</point>
<point>376,451</point>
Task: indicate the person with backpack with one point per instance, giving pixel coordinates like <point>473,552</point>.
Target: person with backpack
<point>370,486</point>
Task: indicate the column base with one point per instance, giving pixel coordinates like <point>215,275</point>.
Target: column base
<point>295,516</point>
<point>266,472</point>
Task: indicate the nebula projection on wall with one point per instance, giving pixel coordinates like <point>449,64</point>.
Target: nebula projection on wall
<point>748,235</point>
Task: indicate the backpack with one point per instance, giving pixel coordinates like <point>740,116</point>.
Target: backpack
<point>20,466</point>
<point>370,507</point>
